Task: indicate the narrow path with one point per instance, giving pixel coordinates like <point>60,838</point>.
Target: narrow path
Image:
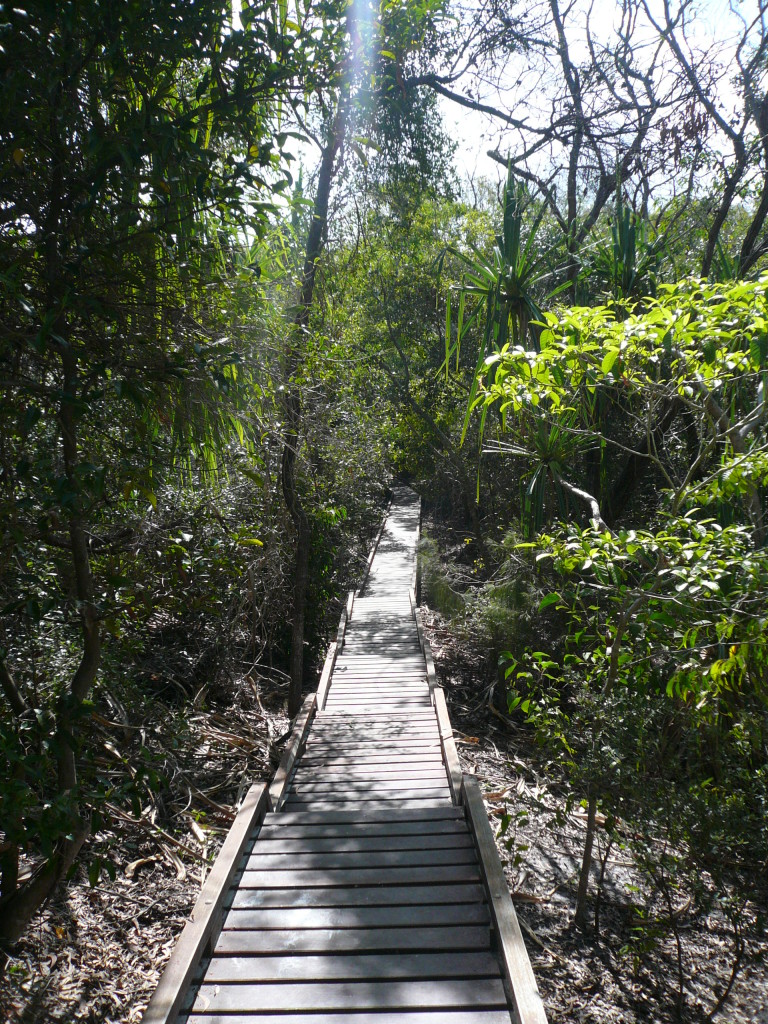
<point>361,899</point>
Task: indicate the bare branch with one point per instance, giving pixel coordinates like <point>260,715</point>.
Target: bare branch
<point>11,690</point>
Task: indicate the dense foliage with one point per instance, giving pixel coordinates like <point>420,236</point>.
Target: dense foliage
<point>656,690</point>
<point>138,362</point>
<point>211,365</point>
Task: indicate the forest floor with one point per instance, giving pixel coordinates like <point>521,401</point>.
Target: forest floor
<point>94,953</point>
<point>625,974</point>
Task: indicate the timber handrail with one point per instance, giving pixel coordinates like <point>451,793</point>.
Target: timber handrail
<point>426,649</point>
<point>334,650</point>
<point>522,990</point>
<point>202,929</point>
<point>448,744</point>
<point>424,644</point>
<point>436,693</point>
<point>325,676</point>
<point>414,597</point>
<point>293,751</point>
<point>415,588</point>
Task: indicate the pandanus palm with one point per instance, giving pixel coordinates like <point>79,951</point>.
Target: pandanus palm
<point>502,287</point>
<point>504,283</point>
<point>628,265</point>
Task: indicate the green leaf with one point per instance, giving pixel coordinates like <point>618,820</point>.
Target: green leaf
<point>609,359</point>
<point>550,599</point>
<point>758,349</point>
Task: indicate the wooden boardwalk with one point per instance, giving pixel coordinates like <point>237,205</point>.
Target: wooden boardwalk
<point>364,887</point>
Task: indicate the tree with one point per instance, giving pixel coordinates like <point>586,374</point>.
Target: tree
<point>576,110</point>
<point>737,133</point>
<point>580,109</point>
<point>662,622</point>
<point>122,162</point>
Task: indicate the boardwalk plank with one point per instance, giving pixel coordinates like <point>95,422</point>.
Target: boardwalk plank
<point>384,693</point>
<point>403,762</point>
<point>387,723</point>
<point>376,830</point>
<point>371,729</point>
<point>348,747</point>
<point>397,801</point>
<point>337,763</point>
<point>325,825</point>
<point>364,773</point>
<point>406,1017</point>
<point>435,812</point>
<point>391,716</point>
<point>469,937</point>
<point>322,860</point>
<point>361,701</point>
<point>297,918</point>
<point>361,896</point>
<point>414,804</point>
<point>382,685</point>
<point>349,967</point>
<point>374,698</point>
<point>433,753</point>
<point>485,993</point>
<point>392,734</point>
<point>317,878</point>
<point>358,788</point>
<point>366,843</point>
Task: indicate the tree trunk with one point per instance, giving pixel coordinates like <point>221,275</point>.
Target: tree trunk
<point>18,909</point>
<point>12,692</point>
<point>85,675</point>
<point>713,234</point>
<point>580,917</point>
<point>292,400</point>
<point>639,462</point>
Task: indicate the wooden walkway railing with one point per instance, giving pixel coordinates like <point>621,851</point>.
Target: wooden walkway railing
<point>363,886</point>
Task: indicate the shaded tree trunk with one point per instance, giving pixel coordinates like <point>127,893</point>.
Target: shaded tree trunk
<point>586,863</point>
<point>292,403</point>
<point>638,463</point>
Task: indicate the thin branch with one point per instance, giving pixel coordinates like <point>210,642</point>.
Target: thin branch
<point>594,505</point>
<point>11,690</point>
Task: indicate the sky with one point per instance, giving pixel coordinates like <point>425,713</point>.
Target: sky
<point>716,24</point>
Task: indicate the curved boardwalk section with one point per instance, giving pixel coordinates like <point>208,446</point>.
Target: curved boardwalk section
<point>366,897</point>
